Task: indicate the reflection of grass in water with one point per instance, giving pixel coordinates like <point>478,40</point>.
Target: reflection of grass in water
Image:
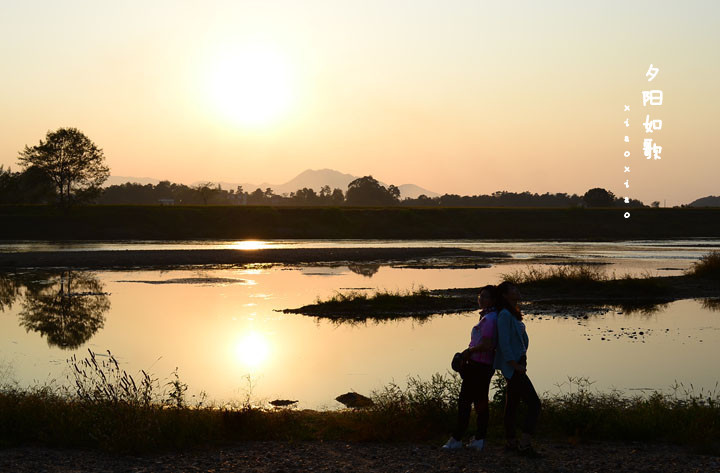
<point>7,373</point>
<point>711,304</point>
<point>640,308</point>
<point>707,267</point>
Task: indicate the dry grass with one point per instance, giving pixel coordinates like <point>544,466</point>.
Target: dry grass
<point>707,267</point>
<point>589,281</point>
<point>582,274</point>
<point>108,413</point>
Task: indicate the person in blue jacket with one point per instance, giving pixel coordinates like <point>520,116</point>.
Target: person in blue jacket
<point>511,360</point>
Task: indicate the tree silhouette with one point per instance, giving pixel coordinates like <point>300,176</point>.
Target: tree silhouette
<point>32,186</point>
<point>73,162</point>
<point>67,308</point>
<point>599,197</point>
<point>207,191</point>
<point>368,191</point>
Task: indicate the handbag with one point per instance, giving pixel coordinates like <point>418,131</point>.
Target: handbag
<point>458,363</point>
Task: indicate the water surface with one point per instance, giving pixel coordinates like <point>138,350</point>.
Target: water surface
<point>220,326</point>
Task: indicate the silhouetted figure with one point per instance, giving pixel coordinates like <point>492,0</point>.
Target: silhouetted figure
<point>477,372</point>
<point>511,359</point>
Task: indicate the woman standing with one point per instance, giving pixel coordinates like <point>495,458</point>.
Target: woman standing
<point>477,373</point>
<point>511,359</point>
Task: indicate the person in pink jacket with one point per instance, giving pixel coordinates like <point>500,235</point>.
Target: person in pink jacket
<point>477,372</point>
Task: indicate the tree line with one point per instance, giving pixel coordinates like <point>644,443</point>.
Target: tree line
<point>67,168</point>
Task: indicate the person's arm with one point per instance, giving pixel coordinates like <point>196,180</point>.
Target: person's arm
<point>485,344</point>
<point>505,330</point>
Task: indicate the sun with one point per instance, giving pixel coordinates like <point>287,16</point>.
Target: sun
<point>251,86</point>
<point>252,350</point>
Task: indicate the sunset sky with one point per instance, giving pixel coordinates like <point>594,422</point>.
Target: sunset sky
<point>465,97</point>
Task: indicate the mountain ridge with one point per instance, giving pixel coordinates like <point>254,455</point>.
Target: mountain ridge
<point>310,178</point>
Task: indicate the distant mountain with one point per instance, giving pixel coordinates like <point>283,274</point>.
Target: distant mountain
<point>117,180</point>
<point>709,201</point>
<point>310,178</point>
<point>313,179</point>
<point>412,191</point>
<point>316,179</point>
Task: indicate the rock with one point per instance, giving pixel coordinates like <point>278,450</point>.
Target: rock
<point>354,400</point>
<point>282,402</point>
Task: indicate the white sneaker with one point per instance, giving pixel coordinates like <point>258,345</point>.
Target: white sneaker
<point>452,444</point>
<point>476,444</point>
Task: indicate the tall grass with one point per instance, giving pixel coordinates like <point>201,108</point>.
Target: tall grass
<point>686,416</point>
<point>108,409</point>
<point>707,267</point>
<point>557,274</point>
<point>381,297</point>
<point>102,407</point>
<point>589,281</point>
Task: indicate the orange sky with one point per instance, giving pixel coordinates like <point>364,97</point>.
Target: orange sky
<point>465,97</point>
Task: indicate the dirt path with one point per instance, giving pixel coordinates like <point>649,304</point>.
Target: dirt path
<point>343,457</point>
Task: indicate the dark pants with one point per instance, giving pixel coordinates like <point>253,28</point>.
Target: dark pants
<point>519,387</point>
<point>474,390</point>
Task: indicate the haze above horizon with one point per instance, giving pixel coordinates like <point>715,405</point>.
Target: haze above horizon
<point>468,97</point>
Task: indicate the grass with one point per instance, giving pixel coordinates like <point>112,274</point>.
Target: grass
<point>564,274</point>
<point>563,284</point>
<point>108,409</point>
<point>569,281</point>
<point>382,304</point>
<point>707,267</point>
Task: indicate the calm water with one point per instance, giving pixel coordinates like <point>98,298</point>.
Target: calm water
<point>636,249</point>
<point>219,326</point>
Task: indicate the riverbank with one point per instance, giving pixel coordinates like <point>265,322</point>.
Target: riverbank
<point>105,408</point>
<point>183,258</point>
<point>152,222</point>
<point>112,419</point>
<point>292,457</point>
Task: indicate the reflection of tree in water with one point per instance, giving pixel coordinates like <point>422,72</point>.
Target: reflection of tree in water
<point>643,308</point>
<point>9,290</point>
<point>68,308</point>
<point>367,270</point>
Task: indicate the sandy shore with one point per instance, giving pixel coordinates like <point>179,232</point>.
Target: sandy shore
<point>356,457</point>
<point>166,258</point>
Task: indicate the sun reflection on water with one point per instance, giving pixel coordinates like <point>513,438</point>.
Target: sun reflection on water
<point>250,245</point>
<point>252,350</point>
